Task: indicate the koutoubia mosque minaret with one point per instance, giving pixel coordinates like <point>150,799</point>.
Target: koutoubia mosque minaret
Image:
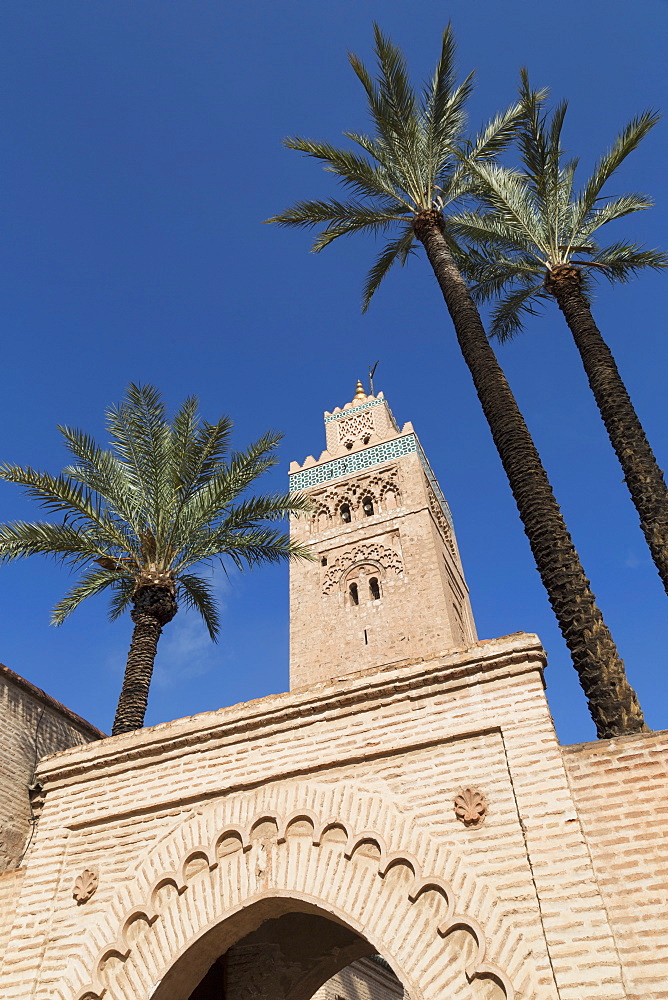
<point>386,583</point>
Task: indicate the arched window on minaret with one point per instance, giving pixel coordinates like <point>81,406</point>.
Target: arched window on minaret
<point>367,507</point>
<point>389,499</point>
<point>374,588</point>
<point>344,510</point>
<point>354,594</point>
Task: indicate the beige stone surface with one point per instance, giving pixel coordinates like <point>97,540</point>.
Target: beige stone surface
<point>620,788</point>
<point>32,724</point>
<point>340,796</point>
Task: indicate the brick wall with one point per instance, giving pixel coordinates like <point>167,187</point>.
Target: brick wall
<point>10,889</point>
<point>363,980</point>
<point>32,724</point>
<point>620,789</point>
<point>341,796</point>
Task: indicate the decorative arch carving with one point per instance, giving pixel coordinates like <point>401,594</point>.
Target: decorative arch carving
<point>381,557</point>
<point>382,488</point>
<point>357,875</point>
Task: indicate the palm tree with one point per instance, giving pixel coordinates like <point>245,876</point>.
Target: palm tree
<point>534,239</point>
<point>138,517</point>
<point>403,178</point>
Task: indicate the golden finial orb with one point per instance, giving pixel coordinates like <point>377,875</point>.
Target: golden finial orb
<point>360,394</point>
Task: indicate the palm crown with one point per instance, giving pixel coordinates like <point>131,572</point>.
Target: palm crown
<point>533,221</point>
<point>136,518</point>
<point>163,499</point>
<point>412,164</point>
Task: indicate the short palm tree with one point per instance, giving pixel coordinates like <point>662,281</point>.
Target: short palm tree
<point>136,518</point>
<point>402,177</point>
<point>535,239</point>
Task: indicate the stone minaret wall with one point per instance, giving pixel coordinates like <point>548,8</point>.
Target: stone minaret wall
<point>386,582</point>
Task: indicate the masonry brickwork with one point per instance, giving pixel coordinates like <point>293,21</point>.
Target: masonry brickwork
<point>362,980</point>
<point>421,810</point>
<point>32,724</point>
<point>620,789</point>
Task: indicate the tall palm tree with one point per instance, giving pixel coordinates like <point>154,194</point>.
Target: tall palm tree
<point>407,172</point>
<point>534,239</point>
<point>137,518</point>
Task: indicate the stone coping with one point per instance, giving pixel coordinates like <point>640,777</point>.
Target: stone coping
<point>489,659</point>
<point>46,699</point>
<point>656,737</point>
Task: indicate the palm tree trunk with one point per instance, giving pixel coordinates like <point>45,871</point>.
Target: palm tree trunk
<point>643,476</point>
<point>154,607</point>
<point>613,703</point>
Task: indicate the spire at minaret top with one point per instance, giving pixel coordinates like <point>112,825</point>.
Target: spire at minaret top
<point>360,394</point>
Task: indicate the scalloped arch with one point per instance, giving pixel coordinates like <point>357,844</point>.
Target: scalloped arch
<point>403,916</point>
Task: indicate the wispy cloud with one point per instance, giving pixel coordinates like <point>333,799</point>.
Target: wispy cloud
<point>633,560</point>
<point>185,650</point>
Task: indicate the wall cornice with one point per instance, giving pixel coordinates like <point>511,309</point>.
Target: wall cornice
<point>483,662</point>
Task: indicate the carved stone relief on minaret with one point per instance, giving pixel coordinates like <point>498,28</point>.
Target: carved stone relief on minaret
<point>374,553</point>
<point>363,497</point>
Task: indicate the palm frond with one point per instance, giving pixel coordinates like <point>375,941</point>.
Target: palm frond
<point>532,139</point>
<point>88,586</point>
<point>395,252</point>
<point>234,520</point>
<point>212,445</point>
<point>444,112</point>
<point>355,172</point>
<point>487,231</point>
<point>627,140</point>
<point>252,548</point>
<point>622,261</point>
<point>397,94</point>
<point>489,273</point>
<point>357,215</point>
<point>617,208</point>
<point>101,472</point>
<point>183,446</point>
<point>61,493</point>
<point>505,194</point>
<point>511,311</point>
<point>121,598</point>
<point>141,435</point>
<point>218,501</point>
<point>197,593</point>
<point>71,544</point>
<point>400,121</point>
<point>494,136</point>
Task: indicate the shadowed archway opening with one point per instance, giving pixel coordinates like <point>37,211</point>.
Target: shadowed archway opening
<point>279,949</point>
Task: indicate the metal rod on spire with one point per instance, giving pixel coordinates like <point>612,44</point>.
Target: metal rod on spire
<point>371,374</point>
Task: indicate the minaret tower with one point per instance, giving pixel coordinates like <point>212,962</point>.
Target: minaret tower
<point>386,583</point>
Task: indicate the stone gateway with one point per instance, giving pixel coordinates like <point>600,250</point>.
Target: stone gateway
<point>402,823</point>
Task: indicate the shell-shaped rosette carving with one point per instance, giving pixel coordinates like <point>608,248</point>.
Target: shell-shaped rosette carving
<point>84,886</point>
<point>470,807</point>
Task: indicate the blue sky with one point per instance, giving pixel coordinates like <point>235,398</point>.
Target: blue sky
<point>141,150</point>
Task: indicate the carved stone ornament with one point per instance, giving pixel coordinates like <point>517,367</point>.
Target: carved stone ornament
<point>85,886</point>
<point>470,807</point>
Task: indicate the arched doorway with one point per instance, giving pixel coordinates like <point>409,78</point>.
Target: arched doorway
<point>235,866</point>
<point>295,952</point>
